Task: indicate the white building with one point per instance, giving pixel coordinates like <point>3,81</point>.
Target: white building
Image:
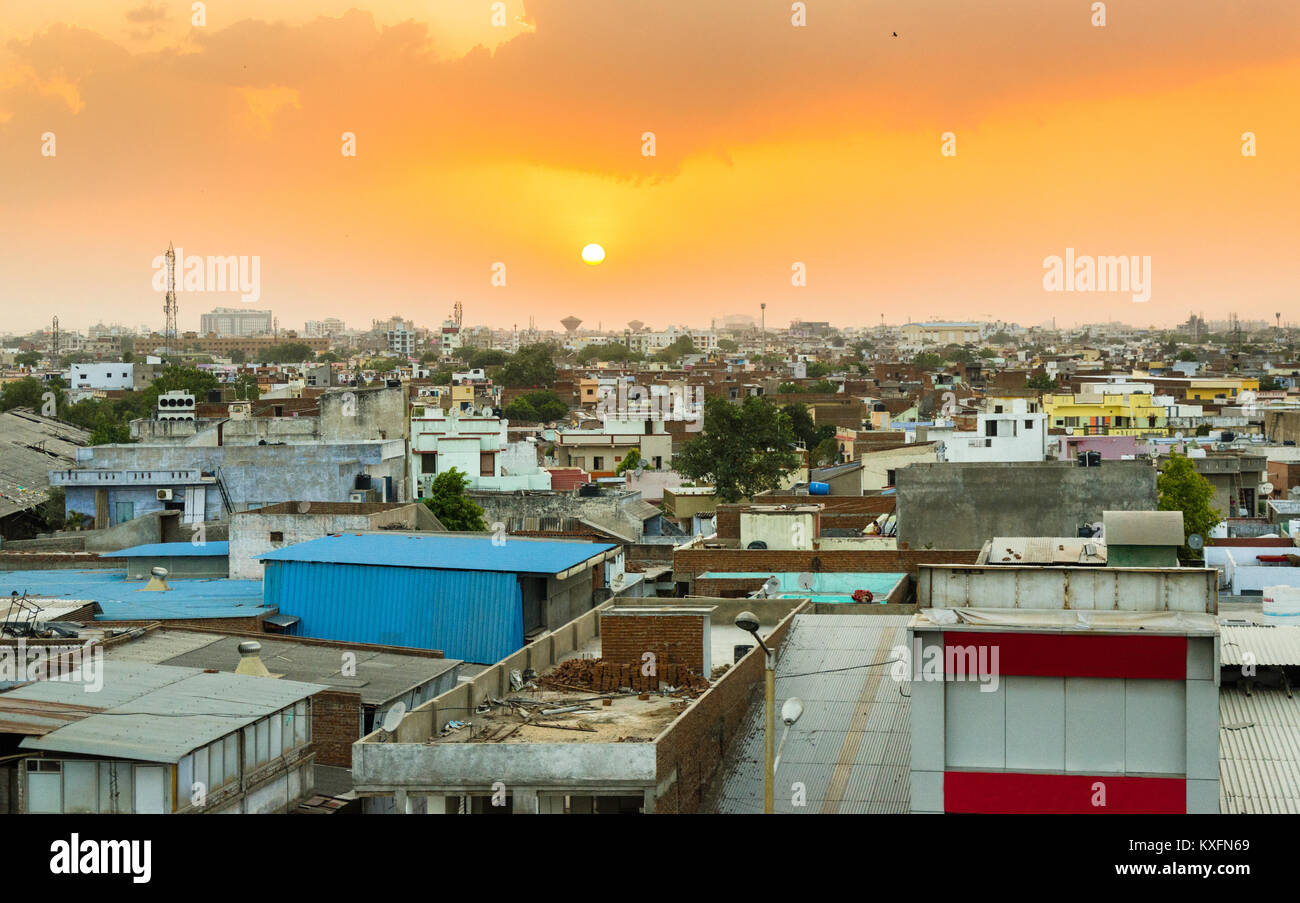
<point>103,376</point>
<point>1013,430</point>
<point>475,445</point>
<point>941,333</point>
<point>236,322</point>
<point>401,341</point>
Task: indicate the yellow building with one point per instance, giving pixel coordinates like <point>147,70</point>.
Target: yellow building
<point>1201,389</point>
<point>1106,414</point>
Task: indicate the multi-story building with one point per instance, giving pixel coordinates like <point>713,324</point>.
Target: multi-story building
<point>476,445</point>
<point>1106,413</point>
<point>941,333</point>
<point>330,326</point>
<point>238,322</point>
<point>1010,430</point>
<point>106,376</point>
<point>401,341</point>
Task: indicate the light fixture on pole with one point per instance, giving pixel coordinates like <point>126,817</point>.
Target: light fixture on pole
<point>748,622</point>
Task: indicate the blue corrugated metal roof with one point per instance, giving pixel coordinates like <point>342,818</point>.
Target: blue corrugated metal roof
<point>442,552</point>
<point>125,600</point>
<point>474,616</point>
<point>171,550</point>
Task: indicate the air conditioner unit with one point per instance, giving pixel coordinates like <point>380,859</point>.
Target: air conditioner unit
<point>164,495</point>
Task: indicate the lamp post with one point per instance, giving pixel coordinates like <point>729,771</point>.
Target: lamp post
<point>790,712</point>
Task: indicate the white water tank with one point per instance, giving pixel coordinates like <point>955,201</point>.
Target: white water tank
<point>1282,602</point>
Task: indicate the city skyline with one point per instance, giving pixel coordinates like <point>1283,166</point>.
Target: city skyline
<point>781,153</point>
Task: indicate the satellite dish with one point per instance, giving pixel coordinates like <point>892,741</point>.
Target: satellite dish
<point>1178,435</point>
<point>1195,541</point>
<point>1266,488</point>
<point>772,586</point>
<point>806,582</point>
<point>393,717</point>
<point>757,544</point>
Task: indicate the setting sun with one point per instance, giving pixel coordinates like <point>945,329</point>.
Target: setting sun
<point>593,254</point>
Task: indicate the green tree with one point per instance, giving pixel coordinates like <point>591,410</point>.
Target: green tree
<point>825,452</point>
<point>1187,355</point>
<point>816,370</point>
<point>246,387</point>
<point>28,359</point>
<point>286,353</point>
<point>927,361</point>
<point>238,356</point>
<point>629,462</point>
<point>538,406</point>
<point>730,346</point>
<point>179,376</point>
<point>743,450</point>
<point>482,358</point>
<point>1042,382</point>
<point>533,367</point>
<point>611,351</point>
<point>805,429</point>
<point>673,353</point>
<point>1181,488</point>
<point>28,392</point>
<point>448,502</point>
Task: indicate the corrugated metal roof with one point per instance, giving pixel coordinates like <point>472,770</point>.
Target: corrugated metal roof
<point>156,713</point>
<point>440,551</point>
<point>30,447</point>
<point>1267,646</point>
<point>470,615</point>
<point>851,749</point>
<point>171,550</point>
<point>126,600</point>
<point>1259,752</point>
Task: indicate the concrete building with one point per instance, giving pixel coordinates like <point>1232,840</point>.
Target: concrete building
<point>157,740</point>
<point>957,506</point>
<point>476,445</point>
<point>600,451</point>
<point>104,376</point>
<point>474,597</point>
<point>1097,693</point>
<point>941,333</point>
<point>226,322</point>
<point>1013,431</point>
<point>254,533</point>
<point>653,754</point>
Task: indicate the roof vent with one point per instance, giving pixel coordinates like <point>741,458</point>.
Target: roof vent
<point>157,582</point>
<point>250,661</point>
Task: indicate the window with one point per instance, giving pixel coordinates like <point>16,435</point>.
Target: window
<point>598,463</point>
<point>1029,424</point>
<point>44,786</point>
<point>277,536</point>
<point>429,462</point>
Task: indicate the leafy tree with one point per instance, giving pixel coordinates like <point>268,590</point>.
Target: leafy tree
<point>629,462</point>
<point>730,346</point>
<point>448,502</point>
<point>533,367</point>
<point>28,392</point>
<point>825,452</point>
<point>238,356</point>
<point>816,369</point>
<point>674,352</point>
<point>382,364</point>
<point>28,359</point>
<point>286,353</point>
<point>1181,488</point>
<point>743,449</point>
<point>179,376</point>
<point>539,406</point>
<point>1187,355</point>
<point>482,358</point>
<point>1042,382</point>
<point>805,430</point>
<point>246,387</point>
<point>927,361</point>
<point>611,351</point>
<point>789,389</point>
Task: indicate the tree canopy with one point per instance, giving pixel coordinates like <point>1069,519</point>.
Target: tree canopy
<point>533,367</point>
<point>538,406</point>
<point>448,502</point>
<point>743,449</point>
<point>1181,488</point>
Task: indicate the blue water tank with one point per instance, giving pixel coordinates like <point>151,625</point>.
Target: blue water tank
<point>819,488</point>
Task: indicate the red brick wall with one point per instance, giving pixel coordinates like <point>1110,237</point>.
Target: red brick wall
<point>335,726</point>
<point>689,562</point>
<point>688,754</point>
<point>674,639</point>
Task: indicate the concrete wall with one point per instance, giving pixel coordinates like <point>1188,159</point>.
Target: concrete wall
<point>250,532</point>
<point>959,506</point>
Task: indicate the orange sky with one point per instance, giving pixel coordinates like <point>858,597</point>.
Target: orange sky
<point>519,144</point>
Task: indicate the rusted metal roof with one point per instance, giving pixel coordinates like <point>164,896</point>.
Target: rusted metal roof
<point>36,718</point>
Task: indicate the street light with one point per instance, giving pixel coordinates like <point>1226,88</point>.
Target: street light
<point>790,712</point>
<point>791,709</point>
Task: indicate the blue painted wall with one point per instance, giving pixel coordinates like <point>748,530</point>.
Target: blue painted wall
<point>476,616</point>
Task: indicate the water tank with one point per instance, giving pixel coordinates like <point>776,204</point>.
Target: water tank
<point>819,488</point>
<point>1094,459</point>
<point>589,489</point>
